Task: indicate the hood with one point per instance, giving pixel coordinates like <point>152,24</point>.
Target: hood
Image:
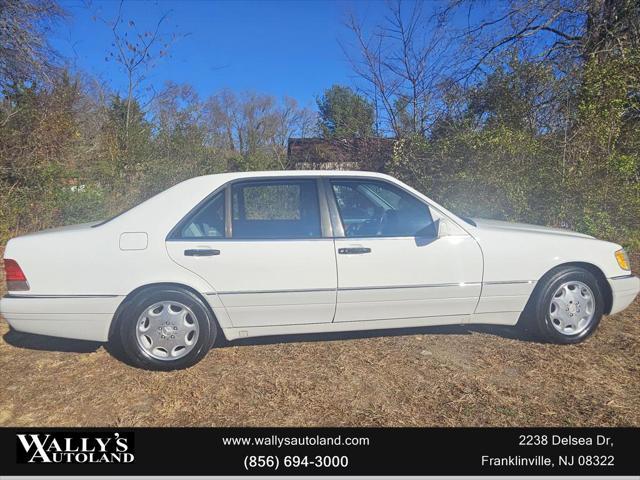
<point>483,224</point>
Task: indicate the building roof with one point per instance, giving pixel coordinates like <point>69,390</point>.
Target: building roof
<point>353,153</point>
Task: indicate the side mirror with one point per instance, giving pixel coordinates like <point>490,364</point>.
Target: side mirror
<point>430,231</point>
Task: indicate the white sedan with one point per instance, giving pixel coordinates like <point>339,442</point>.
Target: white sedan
<point>271,253</point>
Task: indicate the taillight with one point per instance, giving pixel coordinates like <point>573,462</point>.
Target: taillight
<point>16,279</point>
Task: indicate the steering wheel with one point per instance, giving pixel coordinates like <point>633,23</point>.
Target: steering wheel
<point>378,220</point>
<point>368,227</point>
<point>387,221</point>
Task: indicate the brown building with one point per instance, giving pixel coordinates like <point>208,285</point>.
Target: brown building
<point>340,154</point>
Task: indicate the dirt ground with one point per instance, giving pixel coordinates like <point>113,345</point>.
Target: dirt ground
<point>452,376</point>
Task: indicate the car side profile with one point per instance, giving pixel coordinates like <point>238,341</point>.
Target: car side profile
<point>272,253</point>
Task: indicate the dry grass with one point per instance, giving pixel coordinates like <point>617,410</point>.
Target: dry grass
<point>427,377</point>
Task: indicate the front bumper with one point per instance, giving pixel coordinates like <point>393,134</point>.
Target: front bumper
<point>624,290</point>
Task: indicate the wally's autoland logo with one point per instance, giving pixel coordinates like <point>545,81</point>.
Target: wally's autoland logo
<point>75,447</point>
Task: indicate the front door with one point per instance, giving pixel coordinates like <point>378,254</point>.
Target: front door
<point>391,262</point>
<point>273,266</point>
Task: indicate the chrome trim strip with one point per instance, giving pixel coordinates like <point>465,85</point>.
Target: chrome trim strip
<point>303,290</point>
<point>344,289</point>
<point>308,290</point>
<point>210,240</point>
<point>622,277</point>
<point>14,295</point>
<point>394,287</point>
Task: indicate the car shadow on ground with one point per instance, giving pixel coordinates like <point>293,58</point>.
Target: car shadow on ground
<point>33,341</point>
<point>507,332</point>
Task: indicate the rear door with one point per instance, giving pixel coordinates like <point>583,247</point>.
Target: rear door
<point>264,246</point>
<point>391,262</point>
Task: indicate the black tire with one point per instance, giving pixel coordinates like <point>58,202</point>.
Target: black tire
<point>126,333</point>
<point>540,318</point>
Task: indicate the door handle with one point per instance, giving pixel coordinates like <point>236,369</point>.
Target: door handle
<point>201,252</point>
<point>354,250</point>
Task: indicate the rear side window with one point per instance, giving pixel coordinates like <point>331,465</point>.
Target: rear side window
<point>378,209</point>
<point>206,222</point>
<point>275,209</point>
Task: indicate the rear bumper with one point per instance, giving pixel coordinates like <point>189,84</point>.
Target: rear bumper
<point>79,317</point>
<point>624,289</point>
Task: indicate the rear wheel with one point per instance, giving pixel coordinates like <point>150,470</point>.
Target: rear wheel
<point>568,306</point>
<point>166,328</point>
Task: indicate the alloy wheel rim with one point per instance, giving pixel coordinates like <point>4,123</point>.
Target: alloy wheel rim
<point>572,308</point>
<point>167,330</point>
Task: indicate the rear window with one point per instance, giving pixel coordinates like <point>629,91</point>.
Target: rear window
<point>275,209</point>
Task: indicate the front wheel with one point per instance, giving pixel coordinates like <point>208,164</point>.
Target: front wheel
<point>166,328</point>
<point>568,307</point>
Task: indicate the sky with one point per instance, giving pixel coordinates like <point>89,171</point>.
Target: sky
<point>273,47</point>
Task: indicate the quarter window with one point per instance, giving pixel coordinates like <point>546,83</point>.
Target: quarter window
<point>378,209</point>
<point>276,209</point>
<point>207,221</point>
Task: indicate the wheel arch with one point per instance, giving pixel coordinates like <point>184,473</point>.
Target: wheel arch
<point>123,305</point>
<point>599,275</point>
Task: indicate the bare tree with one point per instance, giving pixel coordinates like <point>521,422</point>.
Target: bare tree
<point>562,33</point>
<point>137,52</point>
<point>177,107</point>
<point>289,120</point>
<point>252,124</point>
<point>25,52</point>
<point>401,61</point>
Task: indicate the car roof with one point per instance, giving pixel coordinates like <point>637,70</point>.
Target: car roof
<point>221,178</point>
<point>296,173</point>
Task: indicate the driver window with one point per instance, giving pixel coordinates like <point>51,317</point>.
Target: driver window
<point>370,208</point>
